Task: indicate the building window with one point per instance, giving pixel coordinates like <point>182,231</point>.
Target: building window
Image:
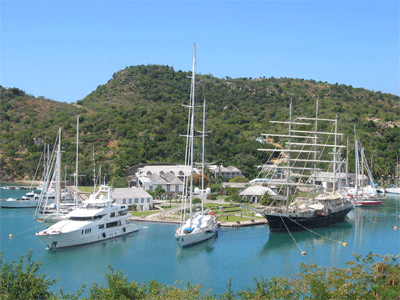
<point>148,200</point>
<point>130,201</point>
<point>136,200</point>
<point>123,201</point>
<point>176,188</point>
<point>168,188</point>
<point>142,200</point>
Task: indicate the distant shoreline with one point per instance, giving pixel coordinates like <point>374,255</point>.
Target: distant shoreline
<point>22,182</point>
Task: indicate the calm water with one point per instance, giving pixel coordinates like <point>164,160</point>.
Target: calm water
<point>239,253</point>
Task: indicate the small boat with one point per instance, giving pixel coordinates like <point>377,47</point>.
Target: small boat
<point>393,190</point>
<point>30,200</point>
<point>201,226</point>
<point>97,220</point>
<point>367,202</point>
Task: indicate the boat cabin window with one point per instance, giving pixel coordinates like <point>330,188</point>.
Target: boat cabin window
<point>112,224</point>
<point>94,206</point>
<point>101,226</point>
<point>112,215</point>
<point>86,218</point>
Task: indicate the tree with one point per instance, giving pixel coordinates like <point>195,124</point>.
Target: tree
<point>159,191</point>
<point>118,288</point>
<point>21,281</point>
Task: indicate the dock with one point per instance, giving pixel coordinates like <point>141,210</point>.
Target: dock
<point>222,223</point>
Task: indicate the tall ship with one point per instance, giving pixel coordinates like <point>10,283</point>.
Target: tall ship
<point>200,226</point>
<point>97,220</point>
<point>308,149</point>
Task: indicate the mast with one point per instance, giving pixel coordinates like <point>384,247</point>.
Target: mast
<point>94,173</point>
<point>347,164</point>
<point>192,134</point>
<point>203,155</point>
<point>315,147</point>
<point>362,170</point>
<point>76,162</point>
<point>335,157</point>
<point>58,186</point>
<point>288,155</point>
<point>357,160</point>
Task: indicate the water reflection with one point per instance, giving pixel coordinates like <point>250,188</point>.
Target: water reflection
<point>333,235</point>
<point>117,247</point>
<point>186,253</point>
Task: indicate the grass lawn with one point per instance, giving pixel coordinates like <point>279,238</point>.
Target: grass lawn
<point>144,213</point>
<point>233,219</point>
<point>86,189</point>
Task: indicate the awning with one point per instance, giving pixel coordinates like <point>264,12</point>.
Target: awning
<point>316,206</point>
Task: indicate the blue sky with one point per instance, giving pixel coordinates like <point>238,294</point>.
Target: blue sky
<point>63,50</point>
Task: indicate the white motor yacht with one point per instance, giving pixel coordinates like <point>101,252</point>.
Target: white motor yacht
<point>97,220</point>
<point>30,200</point>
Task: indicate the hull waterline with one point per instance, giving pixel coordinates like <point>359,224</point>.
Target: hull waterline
<point>284,222</point>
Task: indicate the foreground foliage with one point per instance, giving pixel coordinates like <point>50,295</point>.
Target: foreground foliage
<point>362,278</point>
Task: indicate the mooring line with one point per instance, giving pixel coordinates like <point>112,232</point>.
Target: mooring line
<point>343,243</point>
<point>26,230</point>
<point>302,252</point>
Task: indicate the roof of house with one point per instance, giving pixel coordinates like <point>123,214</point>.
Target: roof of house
<point>177,170</point>
<point>157,179</point>
<point>171,178</point>
<point>257,190</point>
<point>134,192</point>
<point>238,185</point>
<point>222,169</point>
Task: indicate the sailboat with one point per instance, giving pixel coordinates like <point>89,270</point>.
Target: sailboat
<point>200,226</point>
<point>29,200</point>
<point>363,196</point>
<point>305,153</point>
<point>53,202</point>
<point>395,189</point>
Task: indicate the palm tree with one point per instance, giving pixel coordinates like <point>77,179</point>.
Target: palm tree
<point>159,191</point>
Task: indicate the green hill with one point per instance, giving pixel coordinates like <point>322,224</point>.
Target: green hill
<point>137,117</point>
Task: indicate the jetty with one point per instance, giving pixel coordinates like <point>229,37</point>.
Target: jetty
<point>172,216</point>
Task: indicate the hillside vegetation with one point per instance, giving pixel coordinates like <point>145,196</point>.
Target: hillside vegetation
<point>138,117</point>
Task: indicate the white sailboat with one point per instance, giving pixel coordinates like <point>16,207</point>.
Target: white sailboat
<point>200,226</point>
<point>395,189</point>
<point>29,200</point>
<point>363,195</point>
<point>53,202</point>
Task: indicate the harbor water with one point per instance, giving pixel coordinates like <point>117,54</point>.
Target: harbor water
<point>242,253</point>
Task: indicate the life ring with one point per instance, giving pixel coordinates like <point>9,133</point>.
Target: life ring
<point>104,234</point>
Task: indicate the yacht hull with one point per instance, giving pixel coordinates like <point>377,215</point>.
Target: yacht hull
<point>190,239</point>
<point>282,222</point>
<point>18,203</point>
<point>55,240</point>
<point>367,203</point>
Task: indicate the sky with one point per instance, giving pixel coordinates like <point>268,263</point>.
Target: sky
<point>63,50</point>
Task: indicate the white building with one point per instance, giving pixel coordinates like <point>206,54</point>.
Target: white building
<point>133,196</point>
<point>225,172</point>
<point>168,177</point>
<point>255,192</point>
